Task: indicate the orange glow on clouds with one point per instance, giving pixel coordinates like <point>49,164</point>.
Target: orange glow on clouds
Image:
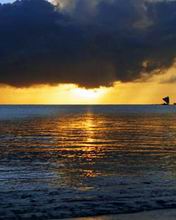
<point>148,92</point>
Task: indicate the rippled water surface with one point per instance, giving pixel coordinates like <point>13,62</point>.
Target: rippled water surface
<point>71,161</point>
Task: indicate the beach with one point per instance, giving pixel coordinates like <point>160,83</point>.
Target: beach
<point>169,214</point>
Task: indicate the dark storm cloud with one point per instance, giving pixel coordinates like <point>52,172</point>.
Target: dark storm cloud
<point>85,43</point>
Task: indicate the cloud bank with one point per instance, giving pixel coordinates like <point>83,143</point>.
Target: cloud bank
<point>88,42</point>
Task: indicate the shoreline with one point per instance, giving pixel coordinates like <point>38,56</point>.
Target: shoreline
<point>161,214</point>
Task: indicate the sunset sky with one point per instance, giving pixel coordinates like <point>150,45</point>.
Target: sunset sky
<point>87,51</point>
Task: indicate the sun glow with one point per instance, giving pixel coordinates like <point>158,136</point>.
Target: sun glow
<point>88,94</point>
<point>46,94</point>
<point>147,92</point>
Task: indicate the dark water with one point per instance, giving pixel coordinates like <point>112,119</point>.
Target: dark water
<point>71,161</point>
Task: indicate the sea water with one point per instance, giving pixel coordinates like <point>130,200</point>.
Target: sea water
<point>73,161</point>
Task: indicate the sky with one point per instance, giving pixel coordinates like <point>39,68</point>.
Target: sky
<point>6,1</point>
<point>87,51</point>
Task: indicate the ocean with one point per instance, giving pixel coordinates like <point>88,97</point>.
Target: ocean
<point>74,161</point>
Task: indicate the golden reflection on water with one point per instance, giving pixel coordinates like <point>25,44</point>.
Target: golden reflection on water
<point>89,149</point>
<point>88,126</point>
<point>80,143</point>
<point>88,161</point>
<point>87,144</point>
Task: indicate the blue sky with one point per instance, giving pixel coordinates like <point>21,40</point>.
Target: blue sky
<point>6,1</point>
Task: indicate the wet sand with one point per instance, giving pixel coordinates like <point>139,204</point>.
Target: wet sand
<point>166,214</point>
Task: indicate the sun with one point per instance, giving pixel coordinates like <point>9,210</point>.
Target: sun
<point>88,94</point>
